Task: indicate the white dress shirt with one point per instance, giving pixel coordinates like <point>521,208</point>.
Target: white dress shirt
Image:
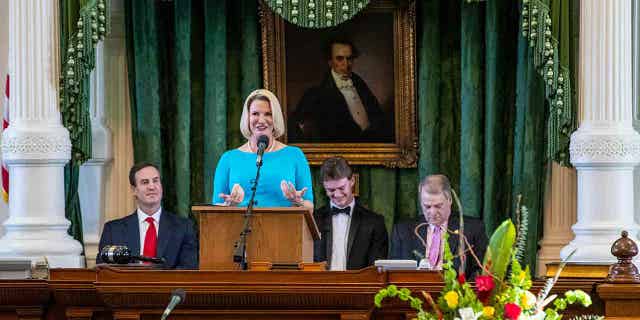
<point>340,232</point>
<point>144,225</point>
<point>356,108</point>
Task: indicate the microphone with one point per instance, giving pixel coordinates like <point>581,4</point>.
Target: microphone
<point>263,142</point>
<point>177,296</point>
<point>122,255</point>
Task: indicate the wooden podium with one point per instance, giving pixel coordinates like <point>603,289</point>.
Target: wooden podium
<point>278,236</point>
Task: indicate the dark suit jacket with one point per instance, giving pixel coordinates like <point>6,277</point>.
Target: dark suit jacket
<point>367,241</point>
<point>176,239</point>
<point>404,241</point>
<point>322,115</point>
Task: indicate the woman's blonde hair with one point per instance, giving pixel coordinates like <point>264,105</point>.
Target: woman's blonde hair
<point>276,112</point>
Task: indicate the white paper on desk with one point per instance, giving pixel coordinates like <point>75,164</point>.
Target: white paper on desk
<point>396,264</point>
<point>425,265</point>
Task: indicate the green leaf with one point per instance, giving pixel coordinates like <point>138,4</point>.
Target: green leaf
<point>552,315</point>
<point>571,296</point>
<point>560,304</point>
<point>416,303</point>
<point>377,300</point>
<point>498,255</point>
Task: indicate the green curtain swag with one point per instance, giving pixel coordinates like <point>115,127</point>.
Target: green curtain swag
<point>317,13</point>
<point>538,29</point>
<point>83,24</point>
<point>78,62</point>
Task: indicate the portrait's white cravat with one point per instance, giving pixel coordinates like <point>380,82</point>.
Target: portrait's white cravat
<point>342,83</point>
<point>356,107</point>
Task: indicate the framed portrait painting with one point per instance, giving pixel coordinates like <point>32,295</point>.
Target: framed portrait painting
<point>348,90</point>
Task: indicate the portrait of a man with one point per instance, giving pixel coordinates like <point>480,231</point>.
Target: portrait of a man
<point>335,89</point>
<point>347,90</point>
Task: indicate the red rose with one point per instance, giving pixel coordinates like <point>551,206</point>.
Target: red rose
<point>512,311</point>
<point>485,283</point>
<point>461,279</point>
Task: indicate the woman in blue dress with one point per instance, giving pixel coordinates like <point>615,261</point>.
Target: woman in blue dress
<point>285,177</point>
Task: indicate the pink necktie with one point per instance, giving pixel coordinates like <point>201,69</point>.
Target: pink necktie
<point>434,250</point>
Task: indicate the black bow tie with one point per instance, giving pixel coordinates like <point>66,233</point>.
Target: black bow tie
<point>335,210</point>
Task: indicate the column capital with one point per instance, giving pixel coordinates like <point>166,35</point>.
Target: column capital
<point>51,145</point>
<point>605,148</point>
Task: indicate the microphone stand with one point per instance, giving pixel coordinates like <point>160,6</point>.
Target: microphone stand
<point>240,247</point>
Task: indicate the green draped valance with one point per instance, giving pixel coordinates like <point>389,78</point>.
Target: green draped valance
<point>80,40</point>
<point>539,29</point>
<point>317,13</point>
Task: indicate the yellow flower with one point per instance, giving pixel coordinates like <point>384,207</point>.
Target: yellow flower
<point>488,311</point>
<point>522,276</point>
<point>452,299</point>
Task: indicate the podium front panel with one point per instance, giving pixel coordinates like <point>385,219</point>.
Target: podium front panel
<point>278,235</point>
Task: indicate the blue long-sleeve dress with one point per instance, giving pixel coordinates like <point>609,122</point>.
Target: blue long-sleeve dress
<point>288,163</point>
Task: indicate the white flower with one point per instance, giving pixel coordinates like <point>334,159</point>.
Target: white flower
<point>468,314</point>
<point>528,300</point>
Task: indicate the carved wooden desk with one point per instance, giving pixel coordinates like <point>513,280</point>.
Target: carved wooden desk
<point>108,293</point>
<point>622,300</point>
<point>143,294</point>
<point>23,299</point>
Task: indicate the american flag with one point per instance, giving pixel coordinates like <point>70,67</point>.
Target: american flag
<point>5,124</point>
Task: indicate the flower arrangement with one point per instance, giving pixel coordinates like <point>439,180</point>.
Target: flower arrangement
<point>497,295</point>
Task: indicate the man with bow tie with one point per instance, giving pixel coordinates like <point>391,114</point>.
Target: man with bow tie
<point>436,220</point>
<point>352,237</point>
<point>342,108</point>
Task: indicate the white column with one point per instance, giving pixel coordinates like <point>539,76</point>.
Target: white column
<point>605,148</point>
<point>36,146</point>
<point>636,97</point>
<point>92,178</point>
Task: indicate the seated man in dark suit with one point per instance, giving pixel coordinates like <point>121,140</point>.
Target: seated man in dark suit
<point>341,108</point>
<point>150,230</point>
<point>353,237</point>
<point>437,218</point>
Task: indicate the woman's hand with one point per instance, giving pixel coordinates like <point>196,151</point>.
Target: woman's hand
<point>289,191</point>
<point>236,196</point>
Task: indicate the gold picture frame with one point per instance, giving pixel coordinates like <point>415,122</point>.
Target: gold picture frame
<point>402,152</point>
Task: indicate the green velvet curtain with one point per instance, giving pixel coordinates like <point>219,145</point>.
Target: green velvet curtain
<point>481,103</point>
<point>190,65</point>
<point>69,13</point>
